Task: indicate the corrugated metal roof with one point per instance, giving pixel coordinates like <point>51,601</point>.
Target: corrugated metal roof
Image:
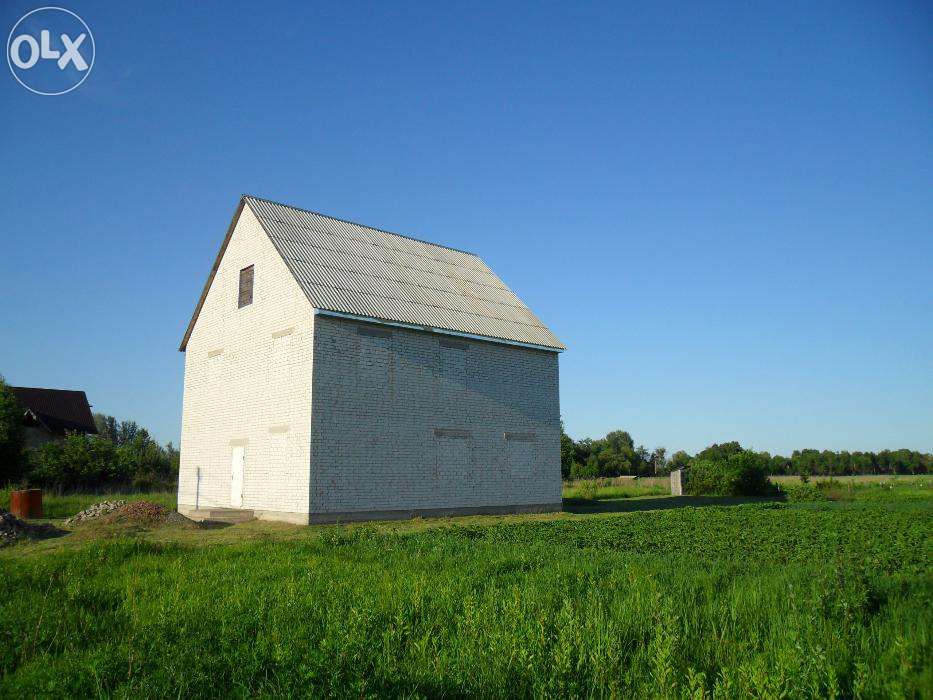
<point>355,269</point>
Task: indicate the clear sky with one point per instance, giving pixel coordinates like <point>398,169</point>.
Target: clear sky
<point>725,210</point>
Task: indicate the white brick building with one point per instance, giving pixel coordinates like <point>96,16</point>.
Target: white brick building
<point>336,372</point>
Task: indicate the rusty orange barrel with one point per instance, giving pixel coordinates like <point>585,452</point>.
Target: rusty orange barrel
<point>26,503</point>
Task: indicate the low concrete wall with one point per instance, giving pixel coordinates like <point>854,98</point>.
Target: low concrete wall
<point>677,482</point>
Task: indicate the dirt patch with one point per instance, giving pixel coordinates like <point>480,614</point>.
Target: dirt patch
<point>13,529</point>
<point>147,514</point>
<point>138,513</point>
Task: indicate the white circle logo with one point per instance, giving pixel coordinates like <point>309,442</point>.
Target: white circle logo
<point>50,51</point>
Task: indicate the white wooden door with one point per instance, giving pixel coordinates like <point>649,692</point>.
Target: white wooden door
<point>237,462</point>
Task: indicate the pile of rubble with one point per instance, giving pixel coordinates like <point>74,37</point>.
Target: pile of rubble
<point>139,513</point>
<point>98,510</point>
<point>11,527</point>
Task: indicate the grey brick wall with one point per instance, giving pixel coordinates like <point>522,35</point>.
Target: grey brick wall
<point>403,420</point>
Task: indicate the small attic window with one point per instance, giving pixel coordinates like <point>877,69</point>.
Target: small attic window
<point>245,296</point>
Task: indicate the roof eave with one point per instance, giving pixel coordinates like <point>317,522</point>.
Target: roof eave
<point>439,331</point>
<point>210,279</point>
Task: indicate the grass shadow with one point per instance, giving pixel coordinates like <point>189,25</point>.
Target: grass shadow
<point>631,505</point>
<point>42,531</point>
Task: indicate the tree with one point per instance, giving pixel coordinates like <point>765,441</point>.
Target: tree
<point>641,464</point>
<point>619,441</point>
<point>720,451</point>
<point>106,426</point>
<point>779,465</point>
<point>659,461</point>
<point>568,452</point>
<point>679,460</point>
<point>77,461</point>
<point>127,432</point>
<point>616,455</point>
<point>121,454</point>
<point>11,435</point>
<point>806,462</point>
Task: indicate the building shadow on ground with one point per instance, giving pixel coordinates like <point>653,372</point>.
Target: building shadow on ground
<point>631,505</point>
<point>43,531</point>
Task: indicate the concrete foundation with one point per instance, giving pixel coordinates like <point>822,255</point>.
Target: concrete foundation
<point>367,515</point>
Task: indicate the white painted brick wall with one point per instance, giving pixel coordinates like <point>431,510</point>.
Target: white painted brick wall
<point>257,389</point>
<point>376,405</point>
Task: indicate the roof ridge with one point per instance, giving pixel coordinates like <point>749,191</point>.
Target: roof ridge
<point>44,388</point>
<point>357,223</point>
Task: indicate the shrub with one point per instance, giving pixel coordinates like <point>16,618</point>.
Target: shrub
<point>588,490</point>
<point>95,462</point>
<point>739,474</point>
<point>78,461</point>
<point>584,471</point>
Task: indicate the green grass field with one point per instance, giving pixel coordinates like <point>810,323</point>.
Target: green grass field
<point>825,599</point>
<point>62,505</point>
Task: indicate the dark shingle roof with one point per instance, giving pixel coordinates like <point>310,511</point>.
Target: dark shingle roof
<point>58,409</point>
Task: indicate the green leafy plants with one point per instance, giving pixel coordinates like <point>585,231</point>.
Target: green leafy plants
<point>738,474</point>
<point>764,599</point>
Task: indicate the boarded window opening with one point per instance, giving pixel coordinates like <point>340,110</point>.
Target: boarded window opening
<point>454,469</point>
<point>375,358</point>
<point>245,296</point>
<point>455,344</point>
<point>281,357</point>
<point>452,433</point>
<point>374,332</point>
<point>453,364</point>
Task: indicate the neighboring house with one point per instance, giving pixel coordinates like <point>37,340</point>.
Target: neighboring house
<point>335,372</point>
<point>50,414</point>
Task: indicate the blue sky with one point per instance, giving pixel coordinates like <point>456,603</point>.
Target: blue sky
<point>723,209</point>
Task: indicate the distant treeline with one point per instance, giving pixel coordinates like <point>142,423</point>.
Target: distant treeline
<point>617,455</point>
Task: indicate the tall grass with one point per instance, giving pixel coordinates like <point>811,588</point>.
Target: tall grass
<point>891,489</point>
<point>823,600</point>
<point>833,488</point>
<point>858,479</point>
<point>606,488</point>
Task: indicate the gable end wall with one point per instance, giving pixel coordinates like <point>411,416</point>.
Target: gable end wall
<point>248,381</point>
